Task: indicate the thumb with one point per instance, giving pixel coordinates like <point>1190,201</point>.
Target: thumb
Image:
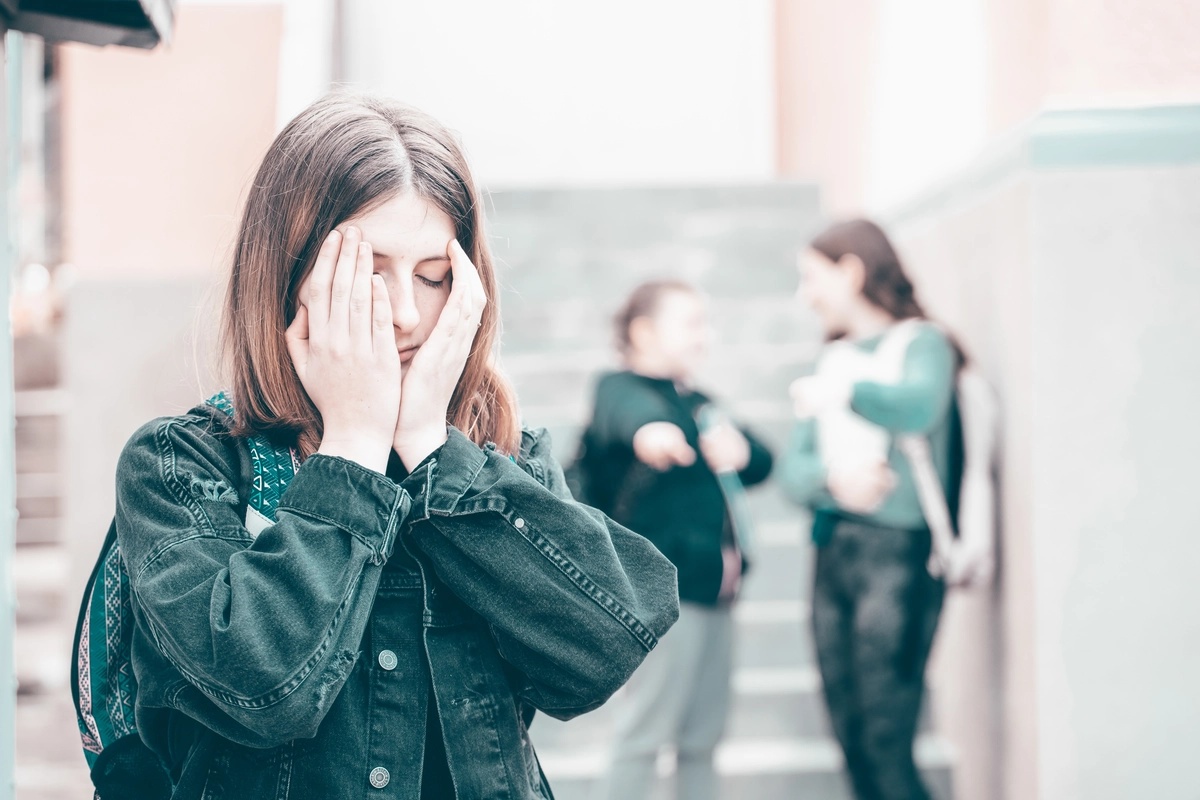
<point>683,454</point>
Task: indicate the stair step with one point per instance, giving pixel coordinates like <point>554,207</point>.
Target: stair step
<point>761,767</point>
<point>769,702</point>
<point>770,612</point>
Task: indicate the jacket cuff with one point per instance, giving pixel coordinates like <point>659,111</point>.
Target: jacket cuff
<point>363,503</point>
<point>440,481</point>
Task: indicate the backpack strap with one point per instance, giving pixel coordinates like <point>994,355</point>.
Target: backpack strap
<point>932,498</point>
<point>104,688</point>
<point>916,449</point>
<point>81,662</point>
<point>273,467</point>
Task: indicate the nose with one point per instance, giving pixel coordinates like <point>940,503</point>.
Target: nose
<point>405,316</point>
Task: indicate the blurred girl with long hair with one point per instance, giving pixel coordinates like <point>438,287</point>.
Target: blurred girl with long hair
<point>875,603</point>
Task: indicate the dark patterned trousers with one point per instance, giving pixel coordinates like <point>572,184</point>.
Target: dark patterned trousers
<point>875,611</point>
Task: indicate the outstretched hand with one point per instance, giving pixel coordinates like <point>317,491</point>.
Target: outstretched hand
<point>433,374</point>
<point>662,445</point>
<point>725,448</point>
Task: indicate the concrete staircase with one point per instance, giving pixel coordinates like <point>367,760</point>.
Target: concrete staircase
<point>568,258</point>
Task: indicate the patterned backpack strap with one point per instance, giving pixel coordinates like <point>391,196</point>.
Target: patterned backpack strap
<point>104,688</point>
<point>102,684</point>
<point>273,465</point>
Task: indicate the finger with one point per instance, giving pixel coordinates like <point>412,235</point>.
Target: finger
<point>343,282</point>
<point>362,296</point>
<point>382,335</point>
<point>448,323</point>
<point>316,290</point>
<point>683,455</point>
<point>466,281</point>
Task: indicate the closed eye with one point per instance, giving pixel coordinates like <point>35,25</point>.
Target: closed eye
<point>431,283</point>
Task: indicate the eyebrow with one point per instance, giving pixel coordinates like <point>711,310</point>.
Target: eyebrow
<point>426,260</point>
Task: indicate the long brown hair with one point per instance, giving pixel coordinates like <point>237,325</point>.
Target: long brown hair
<point>339,158</point>
<point>885,283</point>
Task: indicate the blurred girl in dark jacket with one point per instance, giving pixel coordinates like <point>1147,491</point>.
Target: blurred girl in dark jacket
<point>664,461</point>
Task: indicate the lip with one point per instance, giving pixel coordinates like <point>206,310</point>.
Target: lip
<point>408,352</point>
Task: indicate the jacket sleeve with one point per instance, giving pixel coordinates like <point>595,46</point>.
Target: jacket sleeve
<point>759,466</point>
<point>266,628</point>
<point>575,602</point>
<point>922,396</point>
<point>801,470</point>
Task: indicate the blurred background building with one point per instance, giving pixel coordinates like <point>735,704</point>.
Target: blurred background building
<point>1037,160</point>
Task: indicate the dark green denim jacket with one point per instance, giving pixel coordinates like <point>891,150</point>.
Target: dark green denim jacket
<point>305,661</point>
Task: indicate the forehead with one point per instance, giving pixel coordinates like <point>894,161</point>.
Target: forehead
<point>405,224</point>
<point>680,303</point>
<point>813,261</point>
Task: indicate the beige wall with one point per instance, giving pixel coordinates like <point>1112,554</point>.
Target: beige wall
<point>1134,50</point>
<point>1047,53</point>
<point>159,149</point>
<point>825,59</point>
<point>1018,50</point>
<point>159,146</point>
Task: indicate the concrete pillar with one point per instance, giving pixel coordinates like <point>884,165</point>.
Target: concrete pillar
<point>1067,264</point>
<point>825,56</point>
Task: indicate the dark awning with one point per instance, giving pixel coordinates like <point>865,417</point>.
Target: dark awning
<point>132,23</point>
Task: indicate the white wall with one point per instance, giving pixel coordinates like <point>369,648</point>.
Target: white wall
<point>928,113</point>
<point>623,92</point>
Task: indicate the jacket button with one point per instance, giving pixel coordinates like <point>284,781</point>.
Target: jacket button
<point>518,523</point>
<point>388,660</point>
<point>380,777</point>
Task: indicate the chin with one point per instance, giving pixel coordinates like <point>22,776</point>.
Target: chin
<point>833,329</point>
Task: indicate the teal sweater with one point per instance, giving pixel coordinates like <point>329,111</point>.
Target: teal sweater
<point>919,403</point>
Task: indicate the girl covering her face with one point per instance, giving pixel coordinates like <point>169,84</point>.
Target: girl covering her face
<point>426,582</point>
